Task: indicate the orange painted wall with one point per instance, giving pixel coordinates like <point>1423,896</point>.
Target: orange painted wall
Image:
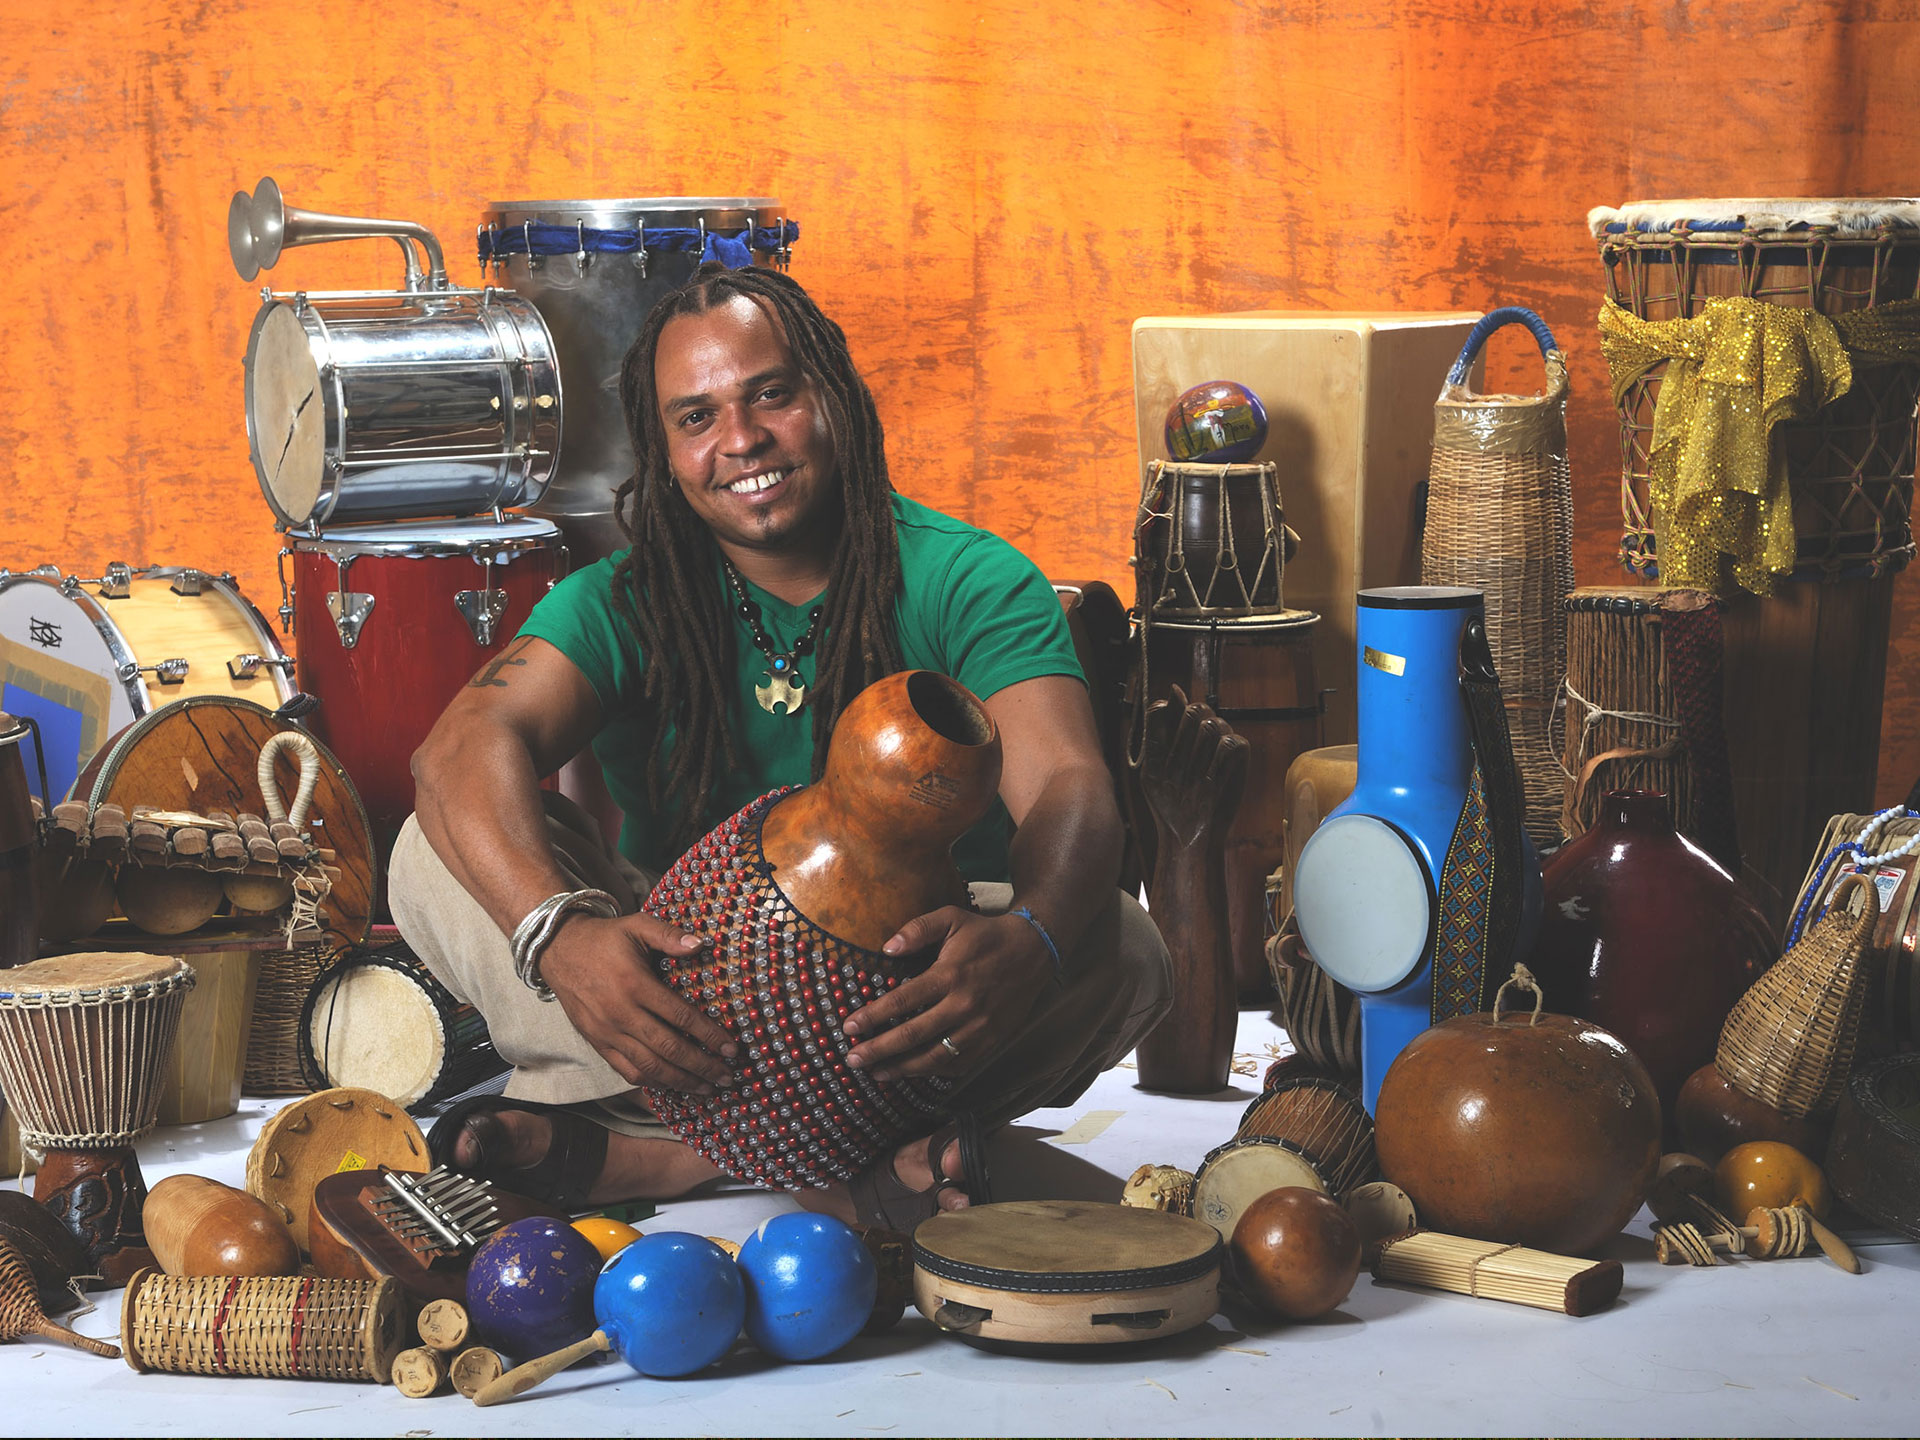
<point>992,191</point>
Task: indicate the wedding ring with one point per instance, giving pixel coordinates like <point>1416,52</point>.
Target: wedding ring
<point>946,1044</point>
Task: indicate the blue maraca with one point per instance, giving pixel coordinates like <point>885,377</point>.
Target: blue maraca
<point>670,1303</point>
<point>810,1285</point>
<point>530,1286</point>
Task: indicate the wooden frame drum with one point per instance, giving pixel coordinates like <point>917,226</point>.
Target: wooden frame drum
<point>1065,1272</point>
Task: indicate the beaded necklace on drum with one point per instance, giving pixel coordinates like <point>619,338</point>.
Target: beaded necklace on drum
<point>1862,862</point>
<point>784,685</point>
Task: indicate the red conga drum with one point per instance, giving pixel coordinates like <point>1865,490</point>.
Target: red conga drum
<point>392,620</point>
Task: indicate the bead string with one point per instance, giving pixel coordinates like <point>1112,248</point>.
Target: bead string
<point>1865,862</point>
<point>750,612</point>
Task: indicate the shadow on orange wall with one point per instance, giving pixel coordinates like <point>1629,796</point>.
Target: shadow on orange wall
<point>991,192</point>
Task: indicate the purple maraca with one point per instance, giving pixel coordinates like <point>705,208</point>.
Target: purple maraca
<point>530,1287</point>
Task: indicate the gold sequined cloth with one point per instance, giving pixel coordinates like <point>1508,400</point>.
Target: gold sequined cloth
<point>1722,512</point>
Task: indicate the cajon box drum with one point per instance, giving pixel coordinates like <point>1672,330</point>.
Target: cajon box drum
<point>1349,401</point>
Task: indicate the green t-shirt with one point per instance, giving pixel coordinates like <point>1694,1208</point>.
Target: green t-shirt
<point>971,606</point>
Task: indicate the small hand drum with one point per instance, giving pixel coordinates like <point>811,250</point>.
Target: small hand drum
<point>1065,1272</point>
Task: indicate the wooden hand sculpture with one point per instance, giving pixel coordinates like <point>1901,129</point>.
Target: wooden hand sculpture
<point>1192,774</point>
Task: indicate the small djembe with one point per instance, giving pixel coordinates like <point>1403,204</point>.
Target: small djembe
<point>798,892</point>
<point>84,1041</point>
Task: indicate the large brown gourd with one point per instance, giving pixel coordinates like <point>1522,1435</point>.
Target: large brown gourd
<point>798,893</point>
<point>197,1226</point>
<point>915,761</point>
<point>1536,1130</point>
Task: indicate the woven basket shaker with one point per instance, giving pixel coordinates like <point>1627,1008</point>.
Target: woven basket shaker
<point>1500,520</point>
<point>1790,1040</point>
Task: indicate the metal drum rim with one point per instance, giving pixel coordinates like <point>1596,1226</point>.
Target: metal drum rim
<point>639,203</point>
<point>533,532</point>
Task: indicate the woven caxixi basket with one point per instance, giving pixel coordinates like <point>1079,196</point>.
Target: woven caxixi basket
<point>273,1045</point>
<point>292,1327</point>
<point>1500,520</point>
<point>1790,1039</point>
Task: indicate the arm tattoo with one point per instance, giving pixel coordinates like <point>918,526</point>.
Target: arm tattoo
<point>490,672</point>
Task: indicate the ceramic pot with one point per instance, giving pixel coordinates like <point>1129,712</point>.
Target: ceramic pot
<point>1647,936</point>
<point>799,891</point>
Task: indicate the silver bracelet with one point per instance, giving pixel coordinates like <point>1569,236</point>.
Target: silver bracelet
<point>533,934</point>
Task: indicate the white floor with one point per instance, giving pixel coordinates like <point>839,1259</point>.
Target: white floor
<point>1791,1347</point>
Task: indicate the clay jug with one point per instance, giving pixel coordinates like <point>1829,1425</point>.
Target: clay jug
<point>798,892</point>
<point>1648,937</point>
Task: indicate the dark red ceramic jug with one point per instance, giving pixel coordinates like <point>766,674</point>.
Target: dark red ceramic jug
<point>1644,934</point>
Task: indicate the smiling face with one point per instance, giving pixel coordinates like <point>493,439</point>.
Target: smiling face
<point>747,433</point>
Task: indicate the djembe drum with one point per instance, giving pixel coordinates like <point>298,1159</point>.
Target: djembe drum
<point>799,891</point>
<point>84,1042</point>
<point>1701,291</point>
<point>1643,710</point>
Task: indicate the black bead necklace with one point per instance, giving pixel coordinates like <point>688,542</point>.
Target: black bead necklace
<point>784,685</point>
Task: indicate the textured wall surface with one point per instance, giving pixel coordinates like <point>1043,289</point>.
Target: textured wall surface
<point>992,192</point>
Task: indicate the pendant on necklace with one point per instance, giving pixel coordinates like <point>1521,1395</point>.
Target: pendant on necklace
<point>783,687</point>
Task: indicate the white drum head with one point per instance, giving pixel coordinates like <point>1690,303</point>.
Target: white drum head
<point>286,414</point>
<point>1238,1173</point>
<point>1363,902</point>
<point>373,1027</point>
<point>58,666</point>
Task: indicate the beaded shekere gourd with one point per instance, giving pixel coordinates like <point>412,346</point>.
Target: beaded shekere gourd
<point>798,891</point>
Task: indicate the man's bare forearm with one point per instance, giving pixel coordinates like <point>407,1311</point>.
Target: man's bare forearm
<point>479,807</point>
<point>1065,858</point>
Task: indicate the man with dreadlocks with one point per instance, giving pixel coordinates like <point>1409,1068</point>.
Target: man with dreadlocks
<point>767,541</point>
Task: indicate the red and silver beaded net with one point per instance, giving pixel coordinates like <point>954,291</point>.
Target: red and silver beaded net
<point>798,1114</point>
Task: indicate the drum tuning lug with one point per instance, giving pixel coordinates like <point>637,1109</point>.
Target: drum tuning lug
<point>349,609</point>
<point>117,583</point>
<point>167,672</point>
<point>187,582</point>
<point>246,667</point>
<point>482,610</point>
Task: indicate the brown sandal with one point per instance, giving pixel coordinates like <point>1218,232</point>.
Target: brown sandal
<point>880,1197</point>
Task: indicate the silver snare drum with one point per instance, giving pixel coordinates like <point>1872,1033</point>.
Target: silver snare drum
<point>371,405</point>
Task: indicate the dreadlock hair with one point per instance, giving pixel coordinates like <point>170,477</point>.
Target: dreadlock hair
<point>667,586</point>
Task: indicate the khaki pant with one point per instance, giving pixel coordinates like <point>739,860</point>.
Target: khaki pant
<point>1118,983</point>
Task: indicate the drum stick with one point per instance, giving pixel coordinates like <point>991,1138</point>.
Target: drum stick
<point>523,1378</point>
